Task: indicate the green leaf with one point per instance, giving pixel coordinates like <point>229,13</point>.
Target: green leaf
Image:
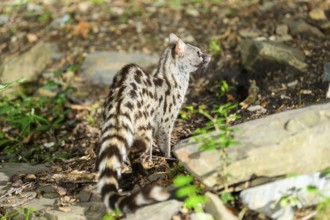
<point>325,172</point>
<point>189,107</point>
<point>40,119</point>
<point>227,197</point>
<point>61,156</point>
<point>186,191</point>
<point>194,200</point>
<point>312,189</point>
<point>182,180</point>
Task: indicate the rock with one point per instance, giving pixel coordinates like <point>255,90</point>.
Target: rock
<point>328,92</point>
<point>159,211</point>
<point>326,73</point>
<point>28,64</point>
<point>4,19</point>
<point>278,199</point>
<point>317,14</point>
<point>260,57</point>
<point>200,216</point>
<point>257,108</point>
<point>100,67</point>
<point>326,77</point>
<point>282,29</point>
<point>286,37</point>
<point>287,150</point>
<point>192,12</point>
<point>60,22</point>
<point>34,7</point>
<point>216,208</point>
<point>301,27</point>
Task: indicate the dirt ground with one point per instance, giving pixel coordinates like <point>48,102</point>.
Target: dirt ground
<point>143,26</point>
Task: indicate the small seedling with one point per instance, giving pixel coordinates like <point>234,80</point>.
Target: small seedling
<point>214,47</point>
<point>189,191</point>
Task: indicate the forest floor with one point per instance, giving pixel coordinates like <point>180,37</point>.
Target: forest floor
<point>100,25</point>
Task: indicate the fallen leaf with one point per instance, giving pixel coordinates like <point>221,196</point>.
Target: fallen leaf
<point>31,38</point>
<point>82,29</point>
<point>64,209</point>
<point>79,107</point>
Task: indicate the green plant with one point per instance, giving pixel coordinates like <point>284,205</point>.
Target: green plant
<point>219,120</point>
<point>186,112</point>
<point>116,214</point>
<point>175,170</point>
<point>325,204</point>
<point>227,197</point>
<point>45,16</point>
<point>97,2</point>
<point>25,212</point>
<point>223,89</point>
<point>28,117</point>
<point>189,191</point>
<point>214,47</point>
<point>176,4</point>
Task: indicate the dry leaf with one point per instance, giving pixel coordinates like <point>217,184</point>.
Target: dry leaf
<point>82,29</point>
<point>31,38</point>
<point>64,209</point>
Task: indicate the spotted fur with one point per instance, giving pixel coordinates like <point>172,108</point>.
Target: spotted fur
<point>140,110</point>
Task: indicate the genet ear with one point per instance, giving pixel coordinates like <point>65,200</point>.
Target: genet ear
<point>180,48</point>
<point>172,39</point>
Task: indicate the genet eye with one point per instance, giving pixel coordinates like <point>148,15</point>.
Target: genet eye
<point>198,53</point>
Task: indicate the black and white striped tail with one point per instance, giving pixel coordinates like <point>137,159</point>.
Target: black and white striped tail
<point>111,153</point>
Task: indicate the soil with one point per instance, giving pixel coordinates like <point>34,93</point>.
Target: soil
<point>144,26</point>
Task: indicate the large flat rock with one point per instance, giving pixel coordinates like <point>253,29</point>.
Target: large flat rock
<point>291,142</point>
<point>101,66</point>
<point>262,56</point>
<point>28,64</point>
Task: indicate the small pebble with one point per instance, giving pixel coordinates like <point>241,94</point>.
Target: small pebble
<point>317,14</point>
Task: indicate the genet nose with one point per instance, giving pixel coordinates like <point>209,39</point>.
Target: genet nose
<point>206,58</point>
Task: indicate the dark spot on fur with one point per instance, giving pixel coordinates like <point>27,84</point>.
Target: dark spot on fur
<point>151,95</point>
<point>165,105</point>
<point>139,73</point>
<point>134,86</point>
<point>149,82</point>
<point>133,94</point>
<point>138,115</point>
<point>174,100</point>
<point>158,82</point>
<point>144,91</point>
<point>129,105</point>
<point>137,79</point>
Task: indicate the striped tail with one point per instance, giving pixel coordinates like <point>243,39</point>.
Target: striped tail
<point>114,145</point>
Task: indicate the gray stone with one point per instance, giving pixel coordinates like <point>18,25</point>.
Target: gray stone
<point>267,198</point>
<point>159,211</point>
<point>100,67</point>
<point>260,57</point>
<point>216,208</point>
<point>326,77</point>
<point>60,22</point>
<point>34,7</point>
<point>3,19</point>
<point>295,141</point>
<point>29,64</point>
<point>326,73</point>
<point>301,27</point>
<point>282,29</point>
<point>7,170</point>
